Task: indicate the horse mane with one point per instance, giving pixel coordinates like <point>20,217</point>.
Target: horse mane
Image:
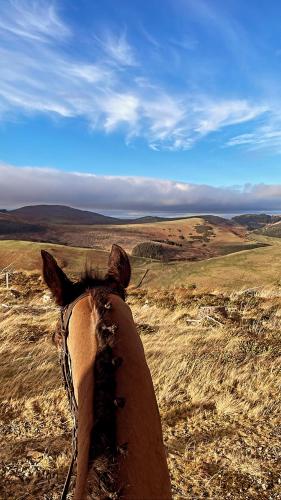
<point>104,450</point>
<point>92,279</point>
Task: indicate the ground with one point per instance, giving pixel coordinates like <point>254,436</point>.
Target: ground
<point>215,362</point>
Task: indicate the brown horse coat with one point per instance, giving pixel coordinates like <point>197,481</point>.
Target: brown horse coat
<point>142,472</point>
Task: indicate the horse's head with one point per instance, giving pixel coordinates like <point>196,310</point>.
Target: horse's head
<point>97,336</point>
<point>86,336</point>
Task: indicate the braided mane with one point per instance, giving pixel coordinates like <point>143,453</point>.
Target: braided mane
<point>104,450</point>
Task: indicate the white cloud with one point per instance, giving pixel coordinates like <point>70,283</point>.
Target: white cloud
<point>227,113</point>
<point>267,136</point>
<point>241,139</point>
<point>39,76</point>
<point>46,185</point>
<point>36,20</point>
<point>118,48</point>
<point>120,108</point>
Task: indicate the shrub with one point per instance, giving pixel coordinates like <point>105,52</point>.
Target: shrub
<point>150,250</point>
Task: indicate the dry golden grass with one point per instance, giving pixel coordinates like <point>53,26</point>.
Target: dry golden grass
<point>215,362</point>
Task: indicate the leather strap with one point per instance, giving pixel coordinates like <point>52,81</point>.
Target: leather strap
<point>68,382</point>
<point>68,478</point>
<point>67,311</point>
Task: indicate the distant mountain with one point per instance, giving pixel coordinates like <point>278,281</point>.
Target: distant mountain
<point>256,221</point>
<point>9,225</point>
<point>149,219</point>
<point>49,215</point>
<point>60,214</point>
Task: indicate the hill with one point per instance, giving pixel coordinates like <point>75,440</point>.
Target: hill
<point>60,214</point>
<point>185,239</point>
<point>191,238</point>
<point>271,230</point>
<point>255,221</point>
<point>26,256</point>
<point>12,226</point>
<point>256,267</point>
<point>64,215</point>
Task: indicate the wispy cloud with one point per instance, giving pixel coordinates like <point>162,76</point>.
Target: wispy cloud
<point>225,113</point>
<point>109,89</point>
<point>266,136</point>
<point>185,43</point>
<point>150,38</point>
<point>35,20</point>
<point>45,185</point>
<point>217,19</point>
<point>118,48</point>
<point>120,108</point>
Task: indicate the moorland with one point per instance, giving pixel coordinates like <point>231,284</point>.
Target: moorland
<point>210,325</point>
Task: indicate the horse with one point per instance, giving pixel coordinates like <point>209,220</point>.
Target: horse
<point>117,442</point>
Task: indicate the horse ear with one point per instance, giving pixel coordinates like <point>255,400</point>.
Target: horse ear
<point>119,265</point>
<point>55,279</point>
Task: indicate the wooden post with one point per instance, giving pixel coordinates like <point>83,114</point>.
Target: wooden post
<point>140,283</point>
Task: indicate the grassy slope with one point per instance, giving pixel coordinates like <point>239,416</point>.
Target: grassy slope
<point>216,376</point>
<point>248,268</point>
<point>193,238</point>
<point>25,255</point>
<point>271,230</point>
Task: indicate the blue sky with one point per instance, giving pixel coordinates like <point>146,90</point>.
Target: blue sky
<point>182,90</point>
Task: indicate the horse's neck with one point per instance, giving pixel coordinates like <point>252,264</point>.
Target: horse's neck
<point>144,469</point>
<point>82,345</point>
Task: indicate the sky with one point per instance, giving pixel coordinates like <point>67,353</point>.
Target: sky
<point>160,106</point>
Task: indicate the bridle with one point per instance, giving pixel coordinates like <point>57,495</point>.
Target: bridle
<point>65,363</point>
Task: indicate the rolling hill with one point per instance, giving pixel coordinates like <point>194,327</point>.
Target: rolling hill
<point>10,225</point>
<point>190,238</point>
<point>272,230</point>
<point>249,268</point>
<point>60,214</point>
<point>255,221</point>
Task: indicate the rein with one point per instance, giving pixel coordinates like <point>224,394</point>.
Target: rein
<point>65,363</point>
